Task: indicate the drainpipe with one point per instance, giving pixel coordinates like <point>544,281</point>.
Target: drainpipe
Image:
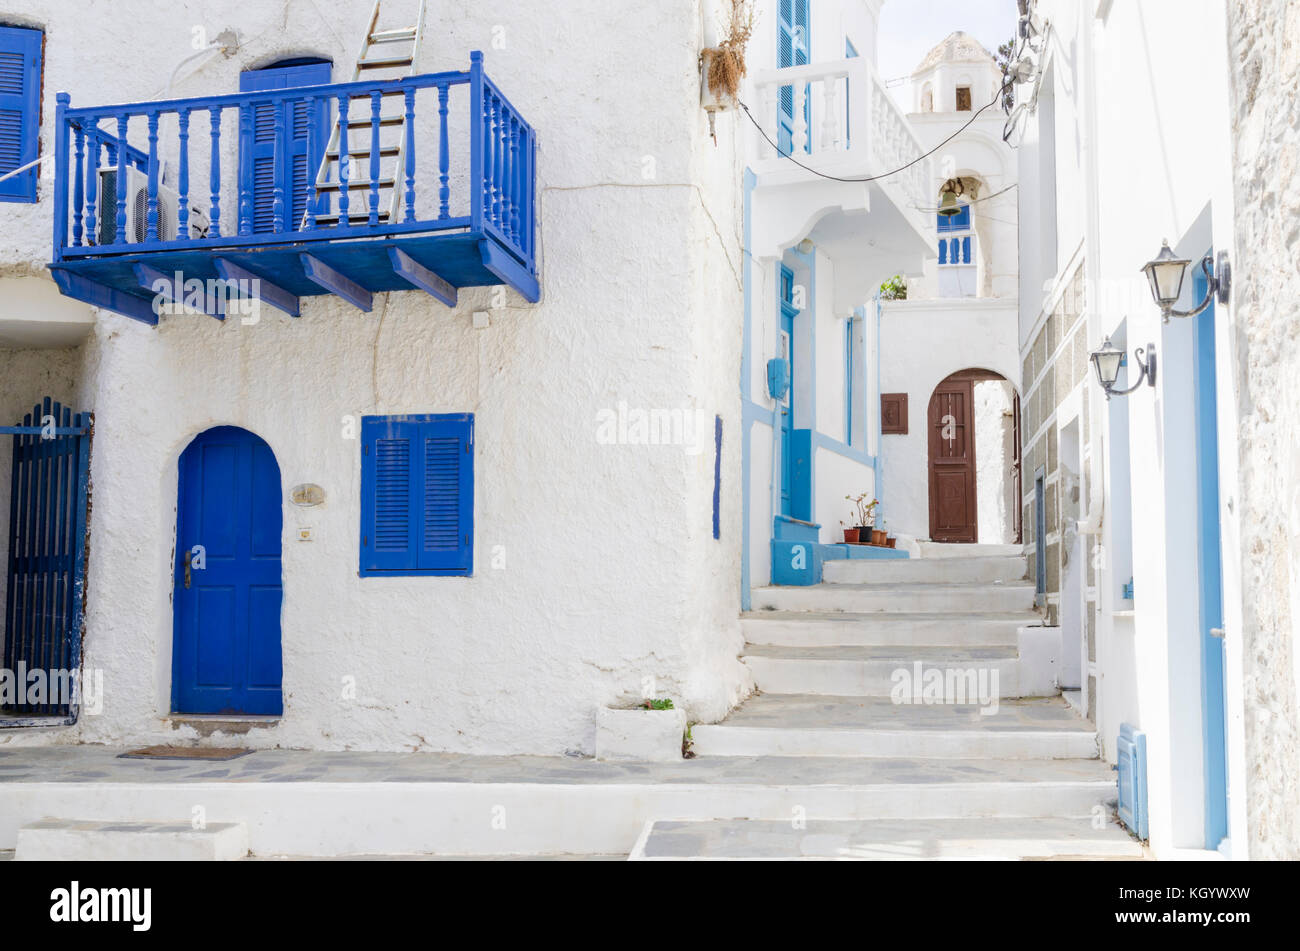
<point>877,464</point>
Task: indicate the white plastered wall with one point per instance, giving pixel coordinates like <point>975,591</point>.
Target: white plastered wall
<point>595,564</point>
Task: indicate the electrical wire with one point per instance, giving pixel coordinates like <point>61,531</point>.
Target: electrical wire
<point>976,201</point>
<point>902,168</point>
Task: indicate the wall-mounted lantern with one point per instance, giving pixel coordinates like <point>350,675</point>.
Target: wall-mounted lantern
<point>1108,360</point>
<point>1166,273</point>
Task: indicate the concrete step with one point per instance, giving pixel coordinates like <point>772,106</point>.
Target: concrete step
<point>949,550</point>
<point>433,803</point>
<point>812,725</point>
<point>96,840</point>
<point>875,840</point>
<point>823,629</point>
<point>898,598</point>
<point>980,672</point>
<point>926,570</point>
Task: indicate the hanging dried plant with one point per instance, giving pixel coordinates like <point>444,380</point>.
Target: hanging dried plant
<point>726,61</point>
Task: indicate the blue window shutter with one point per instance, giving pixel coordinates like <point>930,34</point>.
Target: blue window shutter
<point>295,165</point>
<point>417,495</point>
<point>20,110</point>
<point>389,474</point>
<point>447,512</point>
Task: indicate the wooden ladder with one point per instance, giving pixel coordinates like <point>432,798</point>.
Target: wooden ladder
<point>372,64</point>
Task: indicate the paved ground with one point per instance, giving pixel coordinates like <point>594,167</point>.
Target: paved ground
<point>818,712</point>
<point>100,764</point>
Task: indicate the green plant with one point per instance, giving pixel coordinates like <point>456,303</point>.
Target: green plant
<point>894,289</point>
<point>687,742</point>
<point>864,511</point>
<point>664,704</point>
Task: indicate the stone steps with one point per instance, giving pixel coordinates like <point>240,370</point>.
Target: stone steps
<point>823,629</point>
<point>932,550</point>
<point>877,840</point>
<point>872,671</point>
<point>379,803</point>
<point>812,725</point>
<point>98,840</point>
<point>1005,568</point>
<point>956,598</point>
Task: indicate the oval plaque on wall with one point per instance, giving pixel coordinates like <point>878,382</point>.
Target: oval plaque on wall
<point>307,495</point>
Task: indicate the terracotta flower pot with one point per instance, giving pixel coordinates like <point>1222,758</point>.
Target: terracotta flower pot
<point>891,542</point>
<point>850,536</point>
<point>877,537</point>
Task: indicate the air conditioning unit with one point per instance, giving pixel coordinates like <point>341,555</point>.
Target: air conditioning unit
<point>137,209</point>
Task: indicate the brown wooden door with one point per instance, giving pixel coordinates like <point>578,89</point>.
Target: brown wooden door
<point>952,462</point>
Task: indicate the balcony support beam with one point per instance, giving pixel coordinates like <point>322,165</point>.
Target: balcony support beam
<point>426,280</point>
<point>318,272</point>
<point>101,295</point>
<point>172,287</point>
<point>259,288</point>
<point>511,272</point>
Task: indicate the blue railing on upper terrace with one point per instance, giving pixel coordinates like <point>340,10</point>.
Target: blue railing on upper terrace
<point>485,186</point>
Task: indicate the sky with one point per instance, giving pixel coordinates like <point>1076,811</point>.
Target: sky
<point>911,28</point>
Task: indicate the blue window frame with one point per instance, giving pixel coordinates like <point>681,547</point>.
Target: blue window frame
<point>20,110</point>
<point>259,171</point>
<point>417,495</point>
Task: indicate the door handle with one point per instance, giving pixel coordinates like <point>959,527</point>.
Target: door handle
<point>187,569</point>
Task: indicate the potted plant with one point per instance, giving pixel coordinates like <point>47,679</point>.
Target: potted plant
<point>650,731</point>
<point>722,66</point>
<point>850,535</point>
<point>864,512</point>
<point>890,540</point>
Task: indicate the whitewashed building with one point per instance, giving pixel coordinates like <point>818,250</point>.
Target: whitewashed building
<point>453,381</point>
<point>1146,514</point>
<point>572,543</point>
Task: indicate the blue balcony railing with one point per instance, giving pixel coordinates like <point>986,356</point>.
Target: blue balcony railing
<point>447,184</point>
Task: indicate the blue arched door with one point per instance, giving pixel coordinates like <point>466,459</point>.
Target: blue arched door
<point>227,594</point>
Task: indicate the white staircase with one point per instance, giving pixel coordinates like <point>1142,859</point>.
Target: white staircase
<point>977,770</point>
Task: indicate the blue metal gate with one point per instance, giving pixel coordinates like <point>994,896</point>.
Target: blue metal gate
<point>45,594</point>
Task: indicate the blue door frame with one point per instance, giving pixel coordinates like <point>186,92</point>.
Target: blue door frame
<point>226,650</point>
<point>1210,588</point>
<point>268,167</point>
<point>788,313</point>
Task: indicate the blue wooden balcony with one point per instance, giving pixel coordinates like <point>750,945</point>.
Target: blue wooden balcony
<point>256,194</point>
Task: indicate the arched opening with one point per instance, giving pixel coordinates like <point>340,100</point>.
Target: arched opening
<point>228,586</point>
<point>927,98</point>
<point>959,246</point>
<point>974,459</point>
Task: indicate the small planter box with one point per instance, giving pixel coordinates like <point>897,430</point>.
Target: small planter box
<point>645,735</point>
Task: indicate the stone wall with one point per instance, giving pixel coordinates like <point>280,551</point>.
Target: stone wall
<point>1265,50</point>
